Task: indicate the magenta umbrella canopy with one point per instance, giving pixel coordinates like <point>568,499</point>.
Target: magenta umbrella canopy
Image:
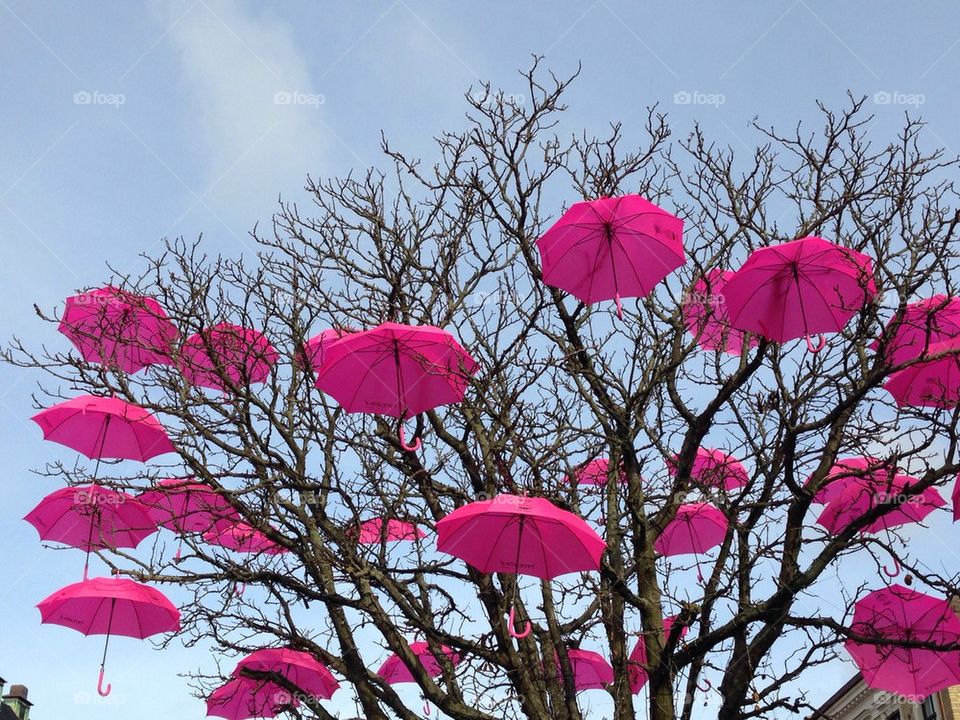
<point>188,506</point>
<point>227,352</point>
<point>520,535</point>
<point>860,498</point>
<point>798,289</point>
<point>955,496</point>
<point>705,314</point>
<point>117,328</point>
<point>930,383</point>
<point>104,428</point>
<point>596,472</point>
<point>244,697</point>
<point>243,538</point>
<point>590,670</point>
<point>611,248</point>
<point>638,657</point>
<point>714,468</point>
<point>376,531</point>
<point>896,614</point>
<point>696,528</point>
<point>299,668</point>
<point>315,349</point>
<point>924,323</point>
<point>852,471</point>
<point>395,671</point>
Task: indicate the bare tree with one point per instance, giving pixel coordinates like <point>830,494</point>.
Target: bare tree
<point>452,243</point>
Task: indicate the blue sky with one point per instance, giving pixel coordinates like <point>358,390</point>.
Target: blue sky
<point>126,122</point>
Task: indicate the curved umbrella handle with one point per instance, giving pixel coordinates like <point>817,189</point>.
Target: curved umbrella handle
<point>401,436</point>
<point>177,556</point>
<point>511,626</point>
<point>895,571</point>
<point>238,590</point>
<point>100,690</point>
<point>821,341</point>
<point>616,299</point>
<point>708,688</point>
<point>426,708</point>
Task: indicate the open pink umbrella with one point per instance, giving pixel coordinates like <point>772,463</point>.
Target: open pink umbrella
<point>798,289</point>
<point>396,370</point>
<point>638,657</point>
<point>91,518</point>
<point>695,529</point>
<point>930,383</point>
<point>314,349</point>
<point>955,496</point>
<point>187,506</point>
<point>244,697</point>
<point>590,670</point>
<point>858,499</point>
<point>706,317</point>
<point>377,530</point>
<point>394,670</point>
<point>714,468</point>
<point>852,471</point>
<point>104,428</point>
<point>243,538</point>
<point>227,354</point>
<point>892,616</point>
<point>111,606</point>
<point>118,328</point>
<point>611,248</point>
<point>520,535</point>
<point>923,324</point>
<point>596,472</point>
<point>299,668</point>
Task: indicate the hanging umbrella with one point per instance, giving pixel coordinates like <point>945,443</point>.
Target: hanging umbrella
<point>596,472</point>
<point>705,314</point>
<point>611,248</point>
<point>638,657</point>
<point>396,370</point>
<point>955,497</point>
<point>314,349</point>
<point>227,354</point>
<point>858,499</point>
<point>111,606</point>
<point>695,529</point>
<point>521,536</point>
<point>91,518</point>
<point>924,323</point>
<point>244,697</point>
<point>798,289</point>
<point>394,670</point>
<point>851,471</point>
<point>118,328</point>
<point>930,383</point>
<point>377,530</point>
<point>590,670</point>
<point>104,428</point>
<point>892,616</point>
<point>188,506</point>
<point>299,668</point>
<point>714,468</point>
<point>241,537</point>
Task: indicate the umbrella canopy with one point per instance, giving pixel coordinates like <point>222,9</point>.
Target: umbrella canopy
<point>104,428</point>
<point>638,657</point>
<point>611,248</point>
<point>520,535</point>
<point>714,468</point>
<point>394,670</point>
<point>188,506</point>
<point>924,323</point>
<point>930,383</point>
<point>955,496</point>
<point>896,614</point>
<point>860,498</point>
<point>798,289</point>
<point>696,528</point>
<point>227,353</point>
<point>596,472</point>
<point>244,697</point>
<point>118,328</point>
<point>705,314</point>
<point>314,349</point>
<point>378,530</point>
<point>299,668</point>
<point>243,538</point>
<point>852,471</point>
<point>590,670</point>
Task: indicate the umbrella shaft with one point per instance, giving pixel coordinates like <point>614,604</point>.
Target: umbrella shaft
<point>106,642</point>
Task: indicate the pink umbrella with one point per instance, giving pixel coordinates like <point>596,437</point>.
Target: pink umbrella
<point>798,289</point>
<point>714,468</point>
<point>244,697</point>
<point>696,528</point>
<point>241,537</point>
<point>611,248</point>
<point>104,428</point>
<point>858,499</point>
<point>590,670</point>
<point>188,506</point>
<point>520,535</point>
<point>596,472</point>
<point>851,471</point>
<point>955,496</point>
<point>923,324</point>
<point>930,383</point>
<point>897,614</point>
<point>706,317</point>
<point>396,370</point>
<point>117,328</point>
<point>91,518</point>
<point>638,657</point>
<point>376,531</point>
<point>227,354</point>
<point>394,670</point>
<point>299,668</point>
<point>111,606</point>
<point>314,349</point>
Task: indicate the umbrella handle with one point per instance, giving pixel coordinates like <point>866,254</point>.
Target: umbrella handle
<point>100,690</point>
<point>821,341</point>
<point>177,556</point>
<point>895,571</point>
<point>511,626</point>
<point>426,708</point>
<point>616,299</point>
<point>238,590</point>
<point>707,683</point>
<point>401,436</point>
